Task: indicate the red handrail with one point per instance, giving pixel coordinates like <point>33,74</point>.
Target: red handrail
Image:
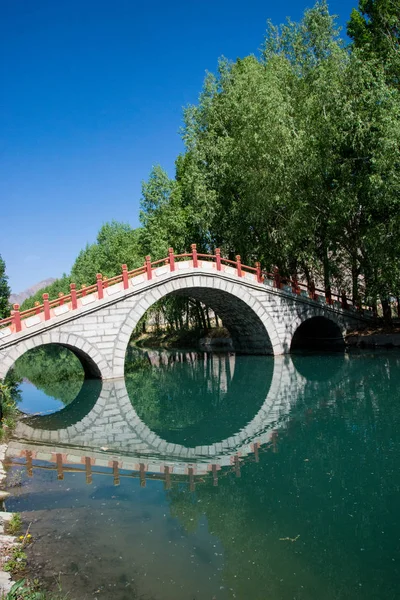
<point>71,299</point>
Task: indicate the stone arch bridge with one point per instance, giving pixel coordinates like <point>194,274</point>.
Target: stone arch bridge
<point>262,311</point>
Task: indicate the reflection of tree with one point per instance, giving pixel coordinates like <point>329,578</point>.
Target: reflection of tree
<point>53,369</point>
<point>333,481</point>
<point>190,398</point>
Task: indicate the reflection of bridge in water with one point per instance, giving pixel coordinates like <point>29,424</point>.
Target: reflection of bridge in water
<point>111,438</point>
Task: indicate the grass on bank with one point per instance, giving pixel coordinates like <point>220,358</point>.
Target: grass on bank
<point>14,524</point>
<point>8,411</point>
<point>25,589</point>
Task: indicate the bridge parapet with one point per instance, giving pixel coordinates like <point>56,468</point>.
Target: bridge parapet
<point>86,298</point>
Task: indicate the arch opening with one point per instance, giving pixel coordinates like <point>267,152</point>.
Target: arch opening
<point>246,332</point>
<point>49,377</point>
<point>246,329</point>
<point>318,333</point>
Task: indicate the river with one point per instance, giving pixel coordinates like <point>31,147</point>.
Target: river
<point>212,476</point>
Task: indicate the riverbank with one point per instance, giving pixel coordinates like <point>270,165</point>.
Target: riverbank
<point>219,339</point>
<point>7,542</point>
<point>379,337</point>
<point>216,338</point>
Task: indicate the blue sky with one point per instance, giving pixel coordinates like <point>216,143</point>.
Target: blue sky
<point>92,97</point>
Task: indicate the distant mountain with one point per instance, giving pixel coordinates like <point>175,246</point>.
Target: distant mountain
<point>19,298</point>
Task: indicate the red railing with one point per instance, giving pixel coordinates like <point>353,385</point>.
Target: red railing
<point>73,300</point>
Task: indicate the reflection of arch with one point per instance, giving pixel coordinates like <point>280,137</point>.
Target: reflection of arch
<point>203,402</point>
<point>252,328</point>
<point>331,367</point>
<point>92,362</point>
<point>114,421</point>
<point>72,413</point>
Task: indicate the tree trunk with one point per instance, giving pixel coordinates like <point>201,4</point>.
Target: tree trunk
<point>354,277</point>
<point>387,312</point>
<point>327,270</point>
<point>208,318</point>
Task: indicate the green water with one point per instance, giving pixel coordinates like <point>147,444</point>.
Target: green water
<point>217,477</point>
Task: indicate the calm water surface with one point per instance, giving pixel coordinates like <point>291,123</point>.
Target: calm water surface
<point>214,477</point>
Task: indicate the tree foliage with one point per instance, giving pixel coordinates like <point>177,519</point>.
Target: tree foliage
<point>4,291</point>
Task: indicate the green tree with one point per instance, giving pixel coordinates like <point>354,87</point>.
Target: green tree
<point>4,291</point>
<point>375,28</point>
<point>116,244</point>
<point>162,215</point>
<point>376,24</point>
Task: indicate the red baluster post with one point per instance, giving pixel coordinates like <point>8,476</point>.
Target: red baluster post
<point>277,278</point>
<point>125,276</point>
<point>60,299</point>
<point>328,295</point>
<point>74,300</point>
<point>100,291</point>
<point>171,258</point>
<point>259,273</point>
<point>194,254</point>
<point>46,307</point>
<point>295,286</point>
<point>147,264</point>
<point>218,258</point>
<point>83,288</point>
<point>16,315</point>
<point>37,308</point>
<point>239,265</point>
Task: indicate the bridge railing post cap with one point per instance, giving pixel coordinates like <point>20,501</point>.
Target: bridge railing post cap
<point>16,306</point>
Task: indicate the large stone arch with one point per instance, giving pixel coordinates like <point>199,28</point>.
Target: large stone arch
<point>212,290</point>
<point>92,361</point>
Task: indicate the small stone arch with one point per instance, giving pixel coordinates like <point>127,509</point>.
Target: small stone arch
<point>196,285</point>
<point>93,363</point>
<point>316,330</point>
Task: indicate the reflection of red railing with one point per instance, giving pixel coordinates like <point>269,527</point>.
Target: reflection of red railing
<point>74,299</point>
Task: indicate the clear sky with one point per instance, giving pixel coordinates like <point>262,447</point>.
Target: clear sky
<point>91,98</point>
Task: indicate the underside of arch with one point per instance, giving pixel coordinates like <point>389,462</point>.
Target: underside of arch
<point>89,365</point>
<point>249,335</point>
